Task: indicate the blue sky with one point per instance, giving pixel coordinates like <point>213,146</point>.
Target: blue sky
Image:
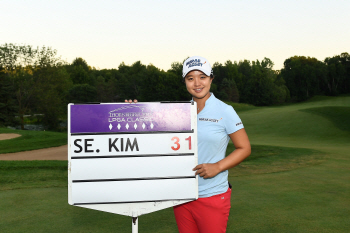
<point>106,33</point>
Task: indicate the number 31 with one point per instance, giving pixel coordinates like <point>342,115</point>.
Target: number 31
<point>177,143</point>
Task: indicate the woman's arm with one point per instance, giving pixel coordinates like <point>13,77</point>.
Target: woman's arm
<point>241,142</point>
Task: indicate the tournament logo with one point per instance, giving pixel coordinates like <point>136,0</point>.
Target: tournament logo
<point>119,115</point>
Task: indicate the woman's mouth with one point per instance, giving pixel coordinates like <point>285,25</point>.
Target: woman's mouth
<point>198,90</point>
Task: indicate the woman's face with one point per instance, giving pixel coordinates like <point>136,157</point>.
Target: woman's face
<point>198,84</point>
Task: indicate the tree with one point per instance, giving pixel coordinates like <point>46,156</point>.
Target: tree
<point>303,76</point>
<point>229,90</point>
<point>21,62</point>
<point>131,80</point>
<point>106,90</point>
<point>234,76</point>
<point>176,88</point>
<point>258,84</point>
<point>82,93</point>
<point>176,68</point>
<point>158,85</point>
<point>25,85</point>
<point>337,80</point>
<point>226,87</point>
<point>219,72</point>
<point>345,60</point>
<point>81,62</point>
<point>14,56</point>
<point>80,72</point>
<point>8,106</point>
<point>51,94</point>
<point>244,71</point>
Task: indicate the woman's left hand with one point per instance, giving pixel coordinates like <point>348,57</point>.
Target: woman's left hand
<point>207,170</point>
<point>130,101</point>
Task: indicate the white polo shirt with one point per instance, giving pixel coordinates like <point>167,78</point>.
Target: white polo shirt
<point>215,122</point>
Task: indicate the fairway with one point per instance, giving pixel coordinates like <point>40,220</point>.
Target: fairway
<point>296,180</point>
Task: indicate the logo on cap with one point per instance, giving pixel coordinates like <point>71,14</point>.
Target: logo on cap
<point>194,62</point>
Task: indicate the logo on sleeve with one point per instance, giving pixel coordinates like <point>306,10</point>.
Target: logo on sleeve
<point>240,123</point>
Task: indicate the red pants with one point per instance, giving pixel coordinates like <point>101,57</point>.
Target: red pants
<point>204,215</point>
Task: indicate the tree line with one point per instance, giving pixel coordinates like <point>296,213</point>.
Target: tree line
<point>36,80</point>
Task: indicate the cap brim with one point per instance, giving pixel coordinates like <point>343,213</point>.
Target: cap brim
<point>206,72</point>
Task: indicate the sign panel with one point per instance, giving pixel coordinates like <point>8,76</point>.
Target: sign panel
<point>140,117</point>
<point>132,159</point>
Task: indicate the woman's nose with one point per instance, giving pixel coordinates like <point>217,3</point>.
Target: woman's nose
<point>196,82</point>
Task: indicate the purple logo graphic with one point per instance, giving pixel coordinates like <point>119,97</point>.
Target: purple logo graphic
<point>141,117</point>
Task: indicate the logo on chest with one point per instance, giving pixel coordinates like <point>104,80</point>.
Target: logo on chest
<point>209,119</point>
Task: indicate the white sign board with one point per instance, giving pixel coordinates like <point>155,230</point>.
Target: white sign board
<point>132,159</point>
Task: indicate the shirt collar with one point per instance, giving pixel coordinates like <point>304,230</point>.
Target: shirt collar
<point>208,101</point>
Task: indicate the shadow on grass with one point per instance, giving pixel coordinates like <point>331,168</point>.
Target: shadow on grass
<point>339,116</point>
<point>32,174</point>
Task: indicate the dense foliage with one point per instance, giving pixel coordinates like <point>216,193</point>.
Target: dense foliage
<point>306,77</point>
<point>37,81</point>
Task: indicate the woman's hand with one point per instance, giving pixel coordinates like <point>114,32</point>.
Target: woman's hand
<point>130,101</point>
<point>207,170</point>
<point>241,142</point>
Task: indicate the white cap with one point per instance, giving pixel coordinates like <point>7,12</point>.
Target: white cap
<point>196,63</point>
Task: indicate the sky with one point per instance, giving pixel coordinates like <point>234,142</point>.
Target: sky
<point>107,33</point>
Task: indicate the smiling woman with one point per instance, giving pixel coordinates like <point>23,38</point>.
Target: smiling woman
<point>217,124</point>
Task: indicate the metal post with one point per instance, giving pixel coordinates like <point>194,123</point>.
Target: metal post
<point>135,225</point>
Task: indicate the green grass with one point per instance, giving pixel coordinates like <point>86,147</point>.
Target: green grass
<point>240,107</point>
<point>339,116</point>
<point>315,199</point>
<point>32,174</point>
<point>296,180</point>
<point>31,140</point>
<point>264,159</point>
<point>271,159</point>
<point>295,126</point>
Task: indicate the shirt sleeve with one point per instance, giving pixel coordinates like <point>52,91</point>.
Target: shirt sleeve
<point>232,121</point>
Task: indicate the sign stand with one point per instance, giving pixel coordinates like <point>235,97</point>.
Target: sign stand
<point>132,159</point>
<point>135,225</point>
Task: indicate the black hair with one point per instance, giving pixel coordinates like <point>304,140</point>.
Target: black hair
<point>211,76</point>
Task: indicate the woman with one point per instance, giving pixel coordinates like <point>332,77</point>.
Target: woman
<point>217,124</point>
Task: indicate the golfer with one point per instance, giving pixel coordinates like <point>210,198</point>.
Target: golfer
<point>217,124</point>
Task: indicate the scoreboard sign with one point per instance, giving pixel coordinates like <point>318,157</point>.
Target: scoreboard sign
<point>132,159</point>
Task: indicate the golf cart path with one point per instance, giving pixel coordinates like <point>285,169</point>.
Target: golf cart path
<point>53,153</point>
<point>4,136</point>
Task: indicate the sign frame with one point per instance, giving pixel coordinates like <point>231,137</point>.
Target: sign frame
<point>133,208</point>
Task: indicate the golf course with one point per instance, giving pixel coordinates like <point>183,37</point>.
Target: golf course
<point>297,178</point>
